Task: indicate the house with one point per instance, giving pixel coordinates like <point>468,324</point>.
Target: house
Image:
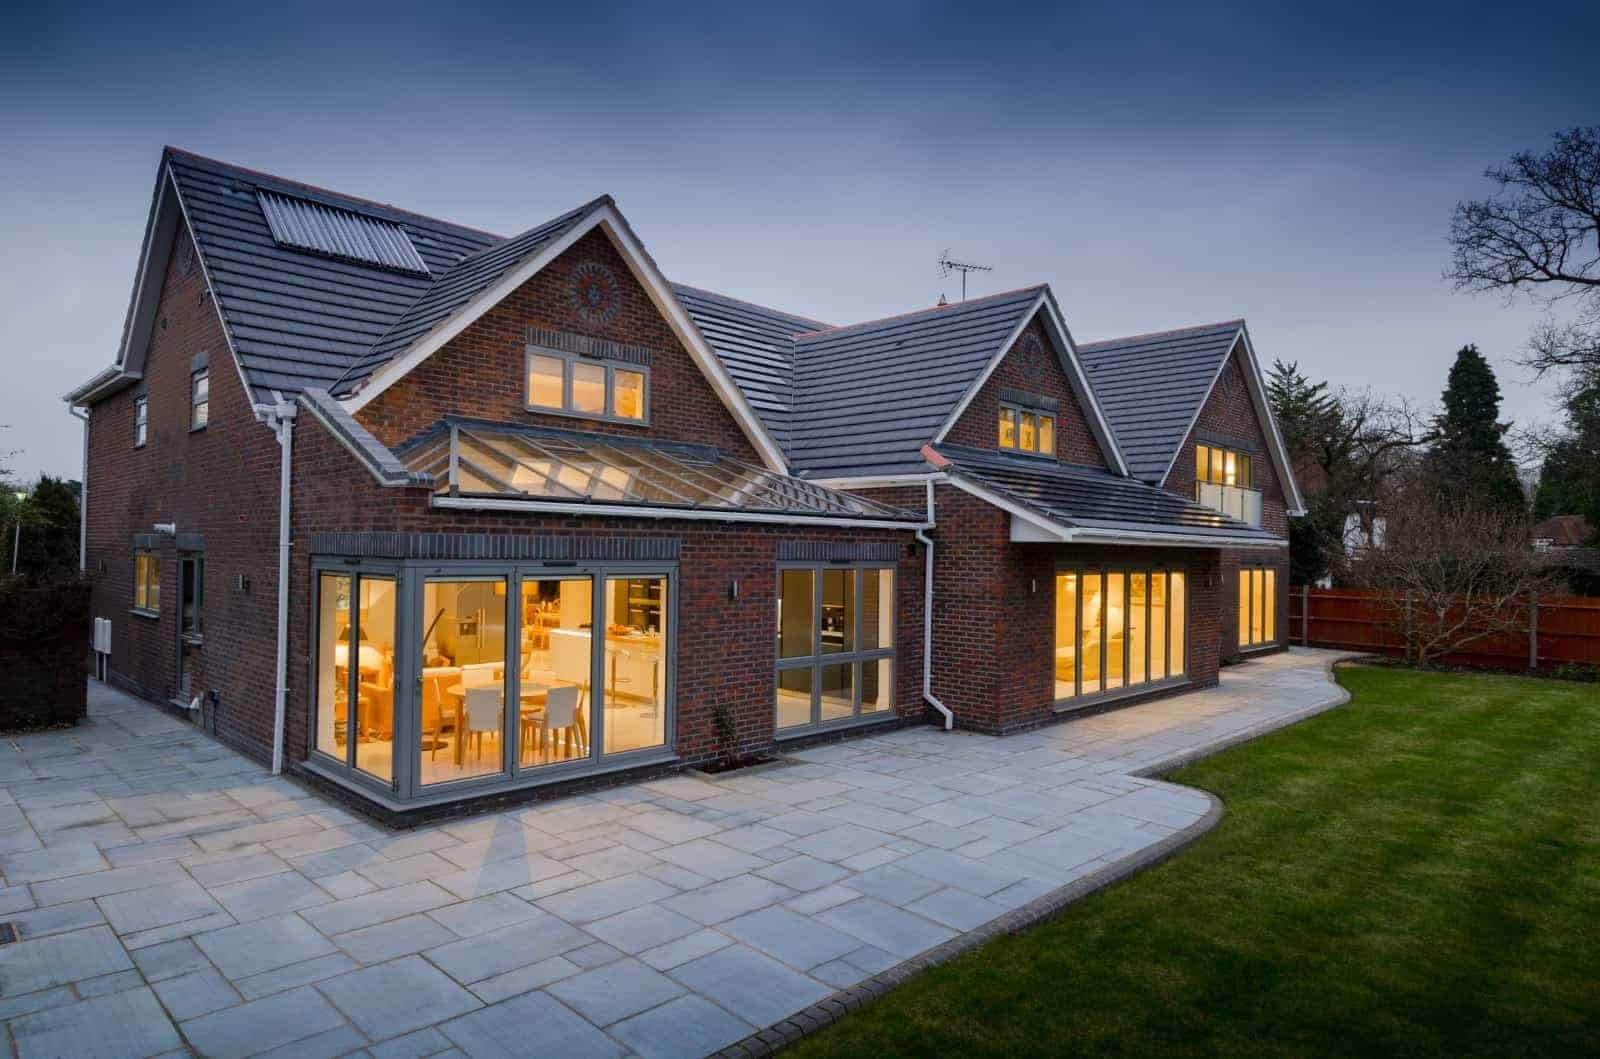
<point>1561,534</point>
<point>436,518</point>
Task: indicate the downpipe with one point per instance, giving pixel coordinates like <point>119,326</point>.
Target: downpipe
<point>927,619</point>
<point>83,493</point>
<point>281,419</point>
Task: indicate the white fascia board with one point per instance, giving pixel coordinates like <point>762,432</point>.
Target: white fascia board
<point>644,271</point>
<point>160,222</point>
<point>1098,422</point>
<point>877,481</point>
<point>392,372</point>
<point>105,383</point>
<point>537,507</point>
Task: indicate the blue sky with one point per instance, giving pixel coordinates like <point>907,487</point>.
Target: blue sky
<point>1159,165</point>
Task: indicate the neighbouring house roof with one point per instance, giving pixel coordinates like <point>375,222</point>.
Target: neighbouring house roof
<point>1152,386</point>
<point>868,396</point>
<point>1563,531</point>
<point>479,463</point>
<point>1078,503</point>
<point>757,346</point>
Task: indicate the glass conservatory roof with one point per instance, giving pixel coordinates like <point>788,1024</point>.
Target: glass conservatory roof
<point>473,458</point>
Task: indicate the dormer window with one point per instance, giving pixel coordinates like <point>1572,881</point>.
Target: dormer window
<point>568,384</point>
<point>1028,430</point>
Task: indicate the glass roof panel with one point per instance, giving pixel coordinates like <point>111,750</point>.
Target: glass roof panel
<point>473,458</point>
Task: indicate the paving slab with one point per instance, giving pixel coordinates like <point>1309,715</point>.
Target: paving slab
<point>398,997</point>
<point>104,1027</point>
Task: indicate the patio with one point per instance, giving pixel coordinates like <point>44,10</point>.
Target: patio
<point>178,898</point>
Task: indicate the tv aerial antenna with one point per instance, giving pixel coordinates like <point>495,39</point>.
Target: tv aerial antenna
<point>947,266</point>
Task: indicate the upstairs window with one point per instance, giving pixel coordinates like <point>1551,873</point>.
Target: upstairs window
<point>1027,430</point>
<point>594,389</point>
<point>141,420</point>
<point>1221,466</point>
<point>199,399</point>
<point>146,582</point>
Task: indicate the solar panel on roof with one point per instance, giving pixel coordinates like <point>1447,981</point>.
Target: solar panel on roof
<point>305,225</point>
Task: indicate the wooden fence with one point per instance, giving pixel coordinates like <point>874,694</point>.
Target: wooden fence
<point>1558,630</point>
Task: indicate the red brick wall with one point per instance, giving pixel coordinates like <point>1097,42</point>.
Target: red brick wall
<point>725,648</point>
<point>1230,413</point>
<point>220,482</point>
<point>1033,365</point>
<point>481,372</point>
<point>994,609</point>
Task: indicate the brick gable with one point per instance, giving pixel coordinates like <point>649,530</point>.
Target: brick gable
<point>1229,415</point>
<point>1032,365</point>
<point>480,372</point>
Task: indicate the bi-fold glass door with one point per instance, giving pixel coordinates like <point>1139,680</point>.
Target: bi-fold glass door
<point>427,676</point>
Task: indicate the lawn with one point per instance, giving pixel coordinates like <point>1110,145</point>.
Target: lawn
<point>1417,872</point>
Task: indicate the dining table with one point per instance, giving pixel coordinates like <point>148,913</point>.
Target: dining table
<point>532,695</point>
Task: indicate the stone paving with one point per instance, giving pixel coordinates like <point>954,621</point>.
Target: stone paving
<point>174,898</point>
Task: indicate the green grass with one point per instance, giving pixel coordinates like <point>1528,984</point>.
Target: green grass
<point>1416,873</point>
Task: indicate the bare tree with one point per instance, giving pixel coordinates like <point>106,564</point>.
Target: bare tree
<point>1540,235</point>
<point>1450,573</point>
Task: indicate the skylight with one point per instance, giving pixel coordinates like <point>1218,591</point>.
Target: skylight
<point>304,225</point>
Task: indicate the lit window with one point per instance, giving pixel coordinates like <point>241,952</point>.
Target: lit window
<point>1028,431</point>
<point>199,399</point>
<point>146,581</point>
<point>571,385</point>
<point>1117,629</point>
<point>835,644</point>
<point>1258,606</point>
<point>141,420</point>
<point>1221,466</point>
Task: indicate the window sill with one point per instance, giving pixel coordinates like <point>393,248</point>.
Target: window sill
<point>800,731</point>
<point>592,417</point>
<point>140,612</point>
<point>1084,702</point>
<point>201,429</point>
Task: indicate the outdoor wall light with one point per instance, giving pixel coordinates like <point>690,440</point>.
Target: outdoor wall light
<point>733,589</point>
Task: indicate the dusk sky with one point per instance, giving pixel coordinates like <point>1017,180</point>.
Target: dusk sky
<point>1158,165</point>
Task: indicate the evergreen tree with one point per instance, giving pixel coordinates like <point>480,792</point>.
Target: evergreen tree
<point>1469,458</point>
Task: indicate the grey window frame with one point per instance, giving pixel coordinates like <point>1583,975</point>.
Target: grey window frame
<point>1081,698</point>
<point>611,365</point>
<point>1021,410</point>
<point>195,403</point>
<point>192,631</point>
<point>141,420</point>
<point>406,790</point>
<point>817,659</point>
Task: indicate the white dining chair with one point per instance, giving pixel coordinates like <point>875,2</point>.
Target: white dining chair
<point>561,715</point>
<point>483,714</point>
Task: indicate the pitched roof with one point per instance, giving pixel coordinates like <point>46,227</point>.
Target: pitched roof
<point>457,287</point>
<point>299,320</point>
<point>756,344</point>
<point>1563,531</point>
<point>870,395</point>
<point>1091,504</point>
<point>1152,385</point>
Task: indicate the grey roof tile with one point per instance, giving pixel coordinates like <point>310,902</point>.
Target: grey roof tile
<point>756,345</point>
<point>1151,386</point>
<point>1094,499</point>
<point>869,396</point>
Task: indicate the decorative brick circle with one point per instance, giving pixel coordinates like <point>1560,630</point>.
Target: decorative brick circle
<point>596,295</point>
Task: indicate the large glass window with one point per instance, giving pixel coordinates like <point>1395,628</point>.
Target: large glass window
<point>191,596</point>
<point>835,644</point>
<point>146,581</point>
<point>635,663</point>
<point>556,711</point>
<point>356,618</point>
<point>1117,629</point>
<point>464,656</point>
<point>1027,430</point>
<point>1258,604</point>
<point>599,389</point>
